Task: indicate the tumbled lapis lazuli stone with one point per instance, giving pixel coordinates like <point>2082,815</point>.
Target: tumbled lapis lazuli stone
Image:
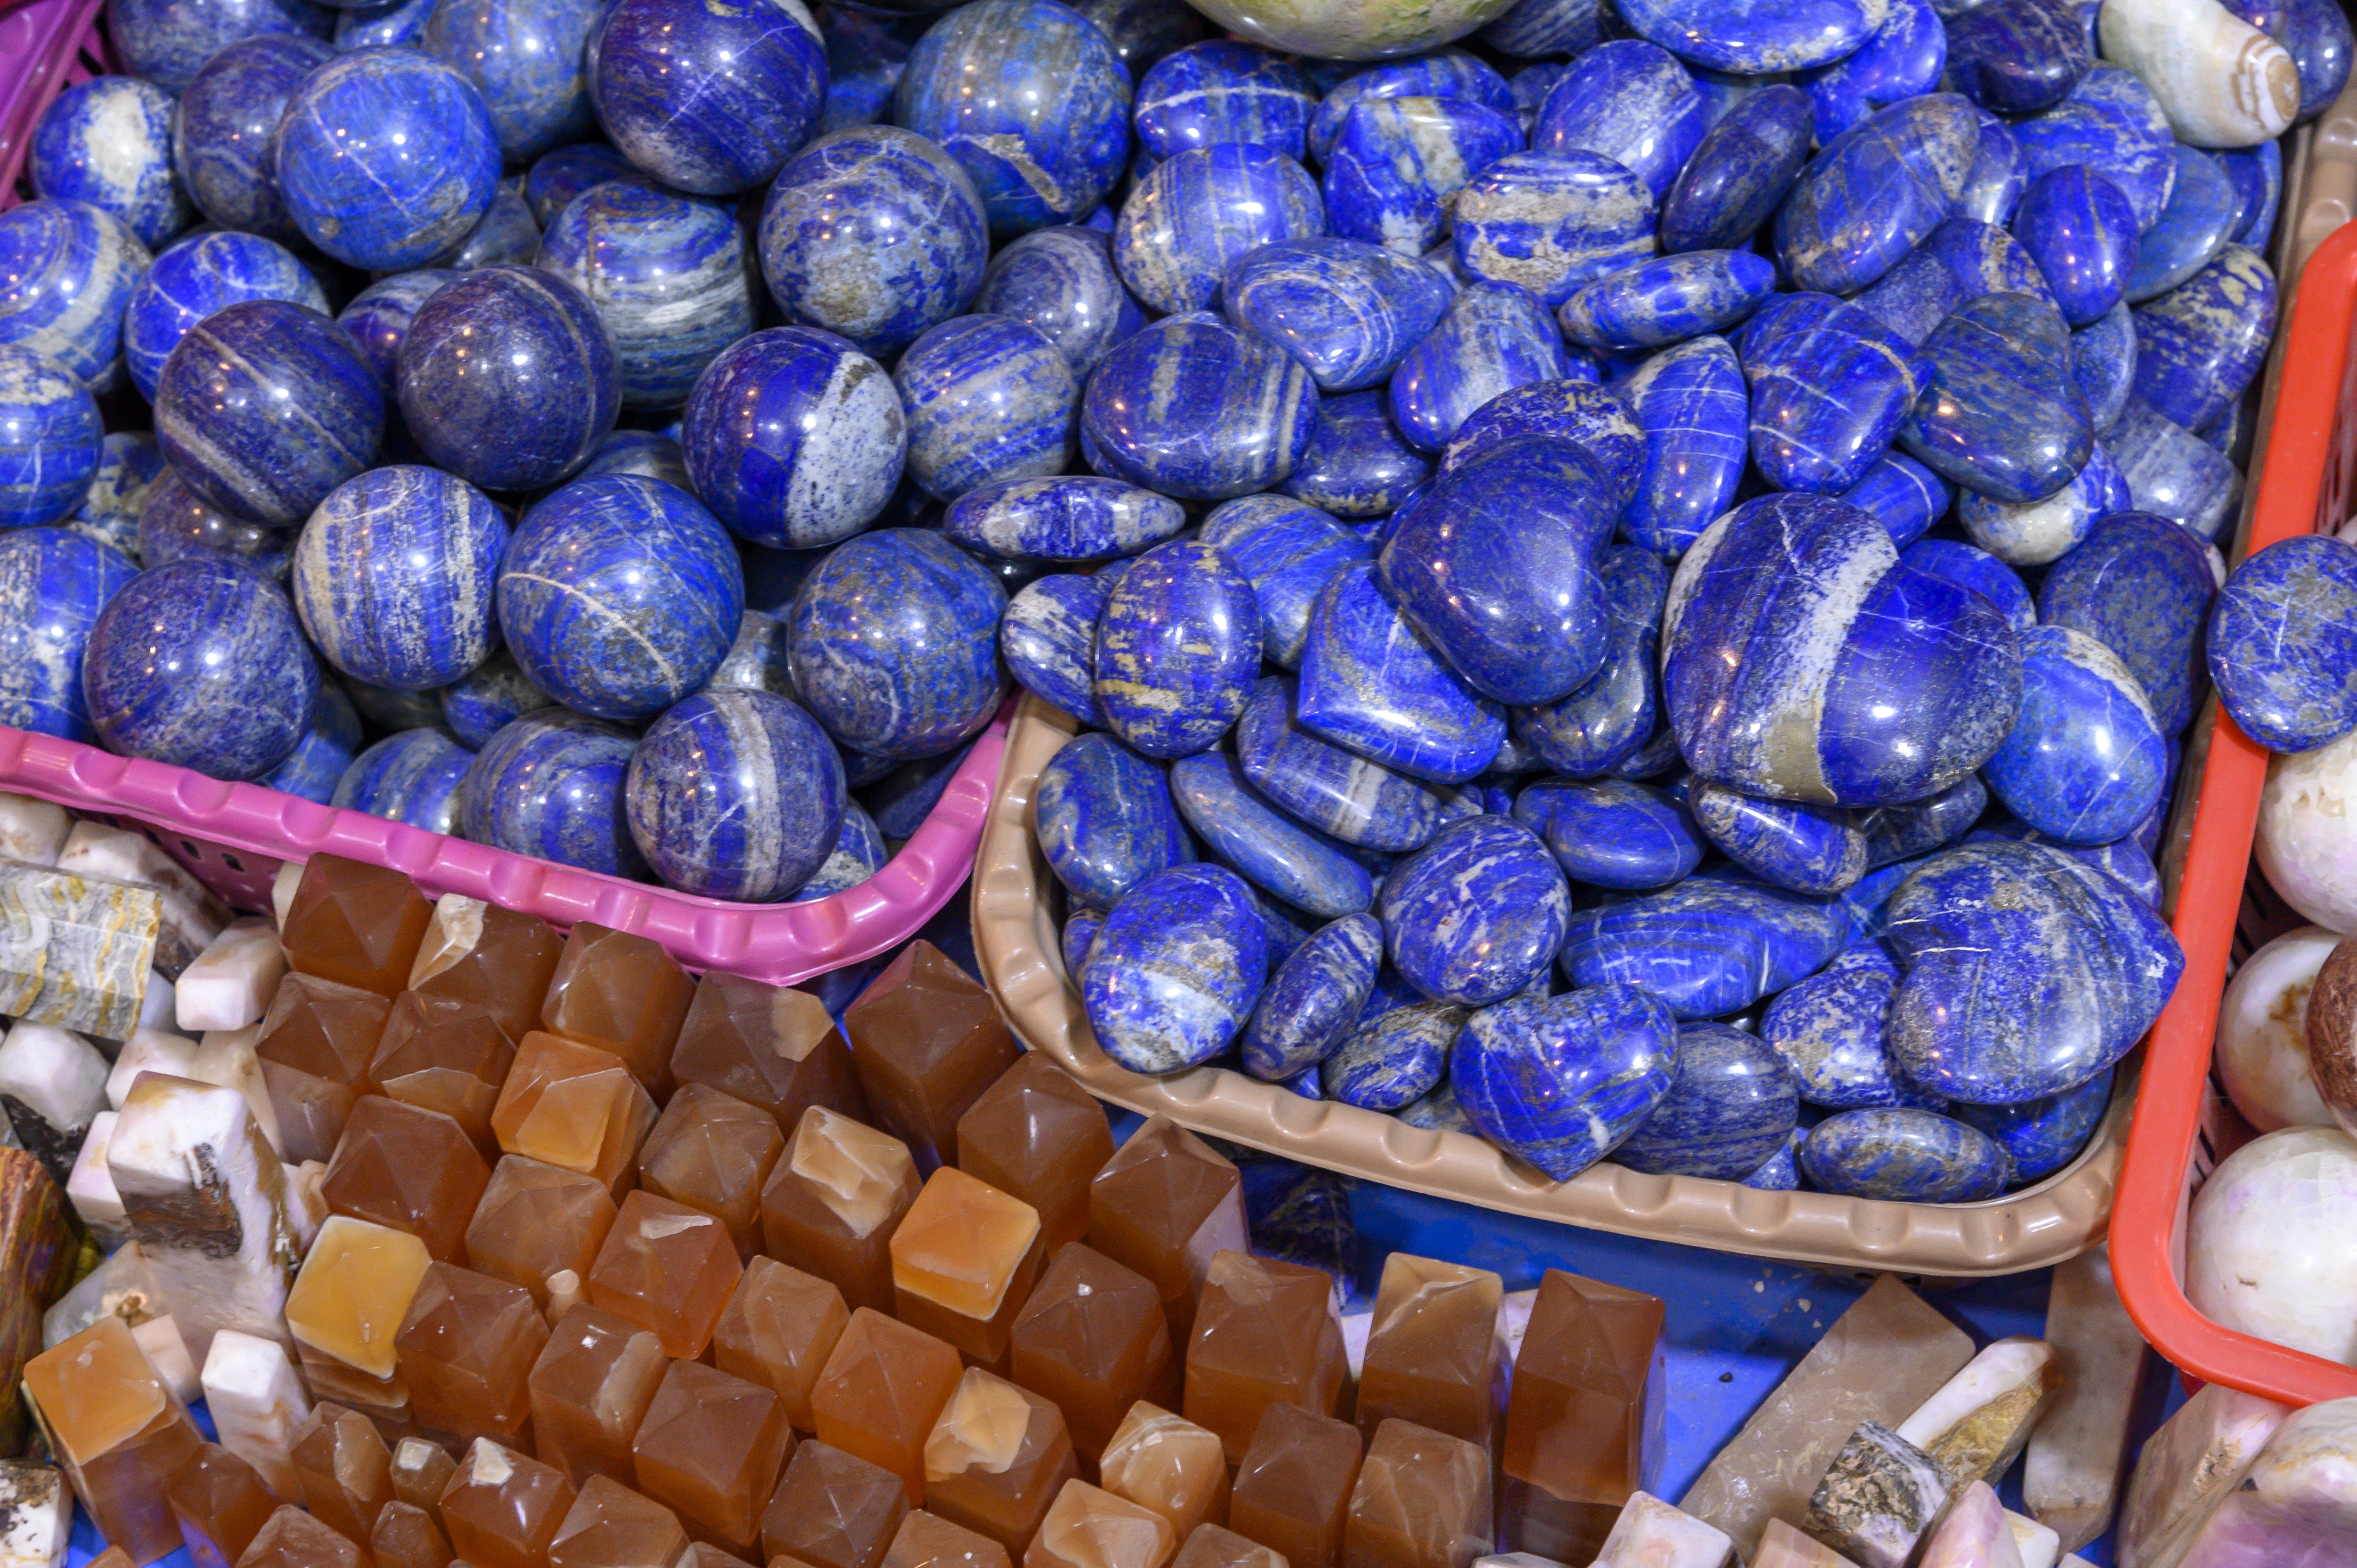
<point>1630,102</point>
<point>1972,567</point>
<point>1710,946</point>
<point>1223,92</point>
<point>1106,820</point>
<point>1278,855</point>
<point>1667,300</point>
<point>1999,412</point>
<point>1394,171</point>
<point>1829,1029</point>
<point>1178,647</point>
<point>1176,970</point>
<point>1393,1059</point>
<point>1798,846</point>
<point>1905,497</point>
<point>1048,638</point>
<point>2035,533</point>
<point>2196,224</point>
<point>2112,125</point>
<point>1732,1104</point>
<point>2201,343</point>
<point>2082,232</point>
<point>1693,405</point>
<point>1446,73</point>
<point>2086,760</point>
<point>1286,550</point>
<point>1903,57</point>
<point>1560,1082</point>
<point>1830,387</point>
<point>2283,643</point>
<point>1740,173</point>
<point>1603,724</point>
<point>1071,519</point>
<point>1494,337</point>
<point>1372,683</point>
<point>1356,464</point>
<point>1347,310</point>
<point>1755,38</point>
<point>1611,832</point>
<point>2018,57</point>
<point>1192,409</point>
<point>1313,998</point>
<point>1551,221</point>
<point>1336,791</point>
<point>1904,1155</point>
<point>1877,191</point>
<point>2042,1135</point>
<point>1475,914</point>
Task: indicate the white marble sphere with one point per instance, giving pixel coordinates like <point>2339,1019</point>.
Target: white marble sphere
<point>2269,1249</point>
<point>2262,1053</point>
<point>2308,832</point>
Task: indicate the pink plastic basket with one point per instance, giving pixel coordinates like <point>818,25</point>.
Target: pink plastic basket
<point>234,837</point>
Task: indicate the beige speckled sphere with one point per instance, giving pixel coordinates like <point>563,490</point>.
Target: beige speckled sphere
<point>1352,30</point>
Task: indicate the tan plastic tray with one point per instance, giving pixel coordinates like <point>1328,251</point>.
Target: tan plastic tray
<point>1017,911</point>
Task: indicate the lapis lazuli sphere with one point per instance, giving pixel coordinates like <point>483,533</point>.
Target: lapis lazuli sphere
<point>386,158</point>
<point>487,698</point>
<point>108,141</point>
<point>266,406</point>
<point>415,775</point>
<point>197,276</point>
<point>667,276</point>
<point>508,378</point>
<point>1049,135</point>
<point>708,99</point>
<point>528,61</point>
<point>67,270</point>
<point>53,584</point>
<point>894,642</point>
<point>394,576</point>
<point>129,464</point>
<point>735,794</point>
<point>175,523</point>
<point>794,438</point>
<point>378,315</point>
<point>1195,410</point>
<point>876,233</point>
<point>222,133</point>
<point>505,236</point>
<point>557,178</point>
<point>988,399</point>
<point>619,595</point>
<point>200,664</point>
<point>1062,283</point>
<point>168,41</point>
<point>550,785</point>
<point>1194,215</point>
<point>50,439</point>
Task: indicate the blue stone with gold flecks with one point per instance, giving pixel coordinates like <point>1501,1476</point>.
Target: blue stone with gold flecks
<point>1062,283</point>
<point>1397,165</point>
<point>1999,413</point>
<point>222,130</point>
<point>528,60</point>
<point>1071,519</point>
<point>318,762</point>
<point>2201,344</point>
<point>1694,408</point>
<point>175,523</point>
<point>1903,1155</point>
<point>1740,172</point>
<point>2200,221</point>
<point>1972,567</point>
<point>529,414</point>
<point>2171,471</point>
<point>549,784</point>
<point>394,577</point>
<point>487,698</point>
<point>377,317</point>
<point>1799,847</point>
<point>108,141</point>
<point>2042,1135</point>
<point>2112,125</point>
<point>894,644</point>
<point>1356,464</point>
<point>735,794</point>
<point>1830,388</point>
<point>1222,91</point>
<point>1605,723</point>
<point>1667,300</point>
<point>53,586</point>
<point>667,275</point>
<point>1904,496</point>
<point>1048,639</point>
<point>1393,1059</point>
<point>1347,310</point>
<point>1494,337</point>
<point>1560,1082</point>
<point>1194,215</point>
<point>1612,833</point>
<point>1313,998</point>
<point>710,100</point>
<point>169,44</point>
<point>1475,914</point>
<point>1372,683</point>
<point>988,400</point>
<point>417,775</point>
<point>195,277</point>
<point>2103,361</point>
<point>1446,73</point>
<point>1294,864</point>
<point>50,440</point>
<point>1904,56</point>
<point>2000,174</point>
<point>2141,585</point>
<point>794,438</point>
<point>1287,551</point>
<point>1829,1029</point>
<point>2081,231</point>
<point>386,158</point>
<point>1731,1104</point>
<point>1551,221</point>
<point>1919,827</point>
<point>1708,946</point>
<point>2018,57</point>
<point>1176,970</point>
<point>2033,534</point>
<point>1591,415</point>
<point>1877,191</point>
<point>1178,647</point>
<point>66,274</point>
<point>1192,409</point>
<point>1630,102</point>
<point>1340,793</point>
<point>859,852</point>
<point>557,178</point>
<point>2280,643</point>
<point>1756,37</point>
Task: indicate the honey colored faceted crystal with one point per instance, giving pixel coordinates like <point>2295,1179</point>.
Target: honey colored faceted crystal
<point>1422,1501</point>
<point>1292,1489</point>
<point>667,1267</point>
<point>621,994</point>
<point>1434,1355</point>
<point>1163,1462</point>
<point>997,1458</point>
<point>316,1044</point>
<point>1163,1206</point>
<point>1089,1528</point>
<point>1265,1334</point>
<point>574,1106</point>
<point>832,1510</point>
<point>884,1386</point>
<point>1213,1547</point>
<point>116,1431</point>
<point>703,1554</point>
<point>496,959</point>
<point>406,1537</point>
<point>502,1510</point>
<point>610,1526</point>
<point>713,1152</point>
<point>444,1054</point>
<point>356,1285</point>
<point>769,1045</point>
<point>408,1169</point>
<point>466,1350</point>
<point>293,1539</point>
<point>590,1389</point>
<point>964,1259</point>
<point>420,1471</point>
<point>355,924</point>
<point>925,1539</point>
<point>535,1219</point>
<point>1584,1420</point>
<point>833,1199</point>
<point>345,1468</point>
<point>1093,1338</point>
<point>778,1329</point>
<point>711,1447</point>
<point>220,1503</point>
<point>1037,1135</point>
<point>927,1040</point>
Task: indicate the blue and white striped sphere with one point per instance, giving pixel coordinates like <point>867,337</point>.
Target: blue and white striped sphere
<point>195,276</point>
<point>666,275</point>
<point>50,439</point>
<point>988,400</point>
<point>796,439</point>
<point>67,270</point>
<point>386,158</point>
<point>394,577</point>
<point>735,794</point>
<point>550,785</point>
<point>53,584</point>
<point>169,41</point>
<point>176,524</point>
<point>708,99</point>
<point>528,58</point>
<point>108,141</point>
<point>417,775</point>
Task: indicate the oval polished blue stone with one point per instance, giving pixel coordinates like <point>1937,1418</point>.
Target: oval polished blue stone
<point>1286,550</point>
<point>1223,92</point>
<point>2171,471</point>
<point>1999,412</point>
<point>2283,643</point>
<point>2199,221</point>
<point>2018,57</point>
<point>1740,173</point>
<point>2033,534</point>
<point>2000,174</point>
<point>1178,647</point>
<point>894,644</point>
<point>1628,101</point>
<point>1904,56</point>
<point>1313,998</point>
<point>1347,310</point>
<point>1395,169</point>
<point>1830,387</point>
<point>1071,519</point>
<point>1667,300</point>
<point>1612,833</point>
<point>1477,914</point>
<point>2142,587</point>
<point>1904,1155</point>
<point>1048,638</point>
<point>1693,407</point>
<point>1919,827</point>
<point>1829,1029</point>
<point>1336,791</point>
<point>1195,410</point>
<point>1356,465</point>
<point>1106,820</point>
<point>1602,726</point>
<point>2201,344</point>
<point>1552,220</point>
<point>2082,232</point>
<point>1732,1104</point>
<point>1494,336</point>
<point>1062,283</point>
<point>2112,123</point>
<point>988,400</point>
<point>1971,567</point>
<point>2103,361</point>
<point>1188,219</point>
<point>1801,847</point>
<point>1372,683</point>
<point>1444,73</point>
<point>2042,1135</point>
<point>1176,970</point>
<point>1755,38</point>
<point>1708,946</point>
<point>1876,192</point>
<point>550,785</point>
<point>1561,1081</point>
<point>1288,861</point>
<point>1903,495</point>
<point>1390,1061</point>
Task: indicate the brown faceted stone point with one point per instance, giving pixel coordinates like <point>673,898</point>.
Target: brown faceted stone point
<point>883,1387</point>
<point>502,1510</point>
<point>666,1267</point>
<point>220,1503</point>
<point>1265,1334</point>
<point>1089,1528</point>
<point>316,1044</point>
<point>534,1219</point>
<point>442,1053</point>
<point>496,959</point>
<point>1166,1463</point>
<point>1292,1490</point>
<point>293,1539</point>
<point>713,1152</point>
<point>575,1106</point>
<point>610,1526</point>
<point>2332,1034</point>
<point>1093,1338</point>
<point>778,1329</point>
<point>834,1510</point>
<point>346,1472</point>
<point>1584,1421</point>
<point>406,1536</point>
<point>997,1458</point>
<point>833,1199</point>
<point>590,1389</point>
<point>117,1430</point>
<point>347,1305</point>
<point>621,994</point>
<point>927,1040</point>
<point>769,1045</point>
<point>1434,1355</point>
<point>1037,1135</point>
<point>420,1471</point>
<point>355,924</point>
<point>925,1539</point>
<point>410,1169</point>
<point>963,1260</point>
<point>711,1447</point>
<point>1163,1206</point>
<point>1422,1501</point>
<point>1213,1547</point>
<point>466,1350</point>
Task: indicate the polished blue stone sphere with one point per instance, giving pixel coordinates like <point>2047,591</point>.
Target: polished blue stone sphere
<point>418,777</point>
<point>1062,283</point>
<point>265,407</point>
<point>504,236</point>
<point>1176,969</point>
<point>1561,1081</point>
<point>197,276</point>
<point>1105,821</point>
<point>378,315</point>
<point>641,452</point>
<point>527,59</point>
<point>129,464</point>
<point>2280,640</point>
<point>557,178</point>
<point>395,575</point>
<point>1313,998</point>
<point>508,378</point>
<point>174,523</point>
<point>735,794</point>
<point>1477,914</point>
<point>169,41</point>
<point>318,762</point>
<point>222,133</point>
<point>667,276</point>
<point>1901,1154</point>
<point>1049,135</point>
<point>50,439</point>
<point>487,698</point>
<point>1192,409</point>
<point>67,272</point>
<point>108,141</point>
<point>794,438</point>
<point>1194,214</point>
<point>709,100</point>
<point>1223,92</point>
<point>398,23</point>
<point>53,584</point>
<point>619,595</point>
<point>875,233</point>
<point>894,642</point>
<point>1731,1104</point>
<point>386,158</point>
<point>200,664</point>
<point>550,784</point>
<point>988,401</point>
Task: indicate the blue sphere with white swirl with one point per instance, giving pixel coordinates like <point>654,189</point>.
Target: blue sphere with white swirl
<point>394,576</point>
<point>665,273</point>
<point>386,158</point>
<point>53,584</point>
<point>735,794</point>
<point>195,276</point>
<point>108,141</point>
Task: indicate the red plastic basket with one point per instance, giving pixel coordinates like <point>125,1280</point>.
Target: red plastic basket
<point>234,837</point>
